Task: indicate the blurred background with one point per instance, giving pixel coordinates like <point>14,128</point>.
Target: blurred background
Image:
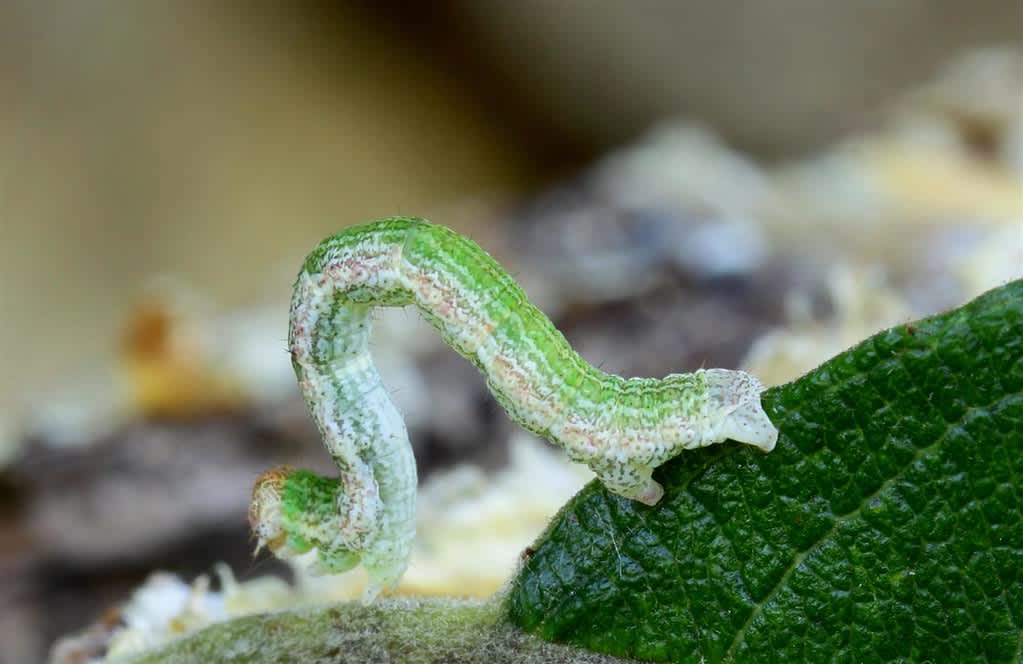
<point>678,184</point>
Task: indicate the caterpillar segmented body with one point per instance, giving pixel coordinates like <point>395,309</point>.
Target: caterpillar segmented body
<point>622,428</point>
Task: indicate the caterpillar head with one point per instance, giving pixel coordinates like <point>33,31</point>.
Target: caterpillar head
<point>295,511</point>
<point>265,518</point>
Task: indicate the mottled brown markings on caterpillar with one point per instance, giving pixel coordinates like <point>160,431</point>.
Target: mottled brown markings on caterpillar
<point>622,428</point>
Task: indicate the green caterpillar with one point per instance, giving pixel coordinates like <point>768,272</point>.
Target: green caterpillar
<point>622,428</point>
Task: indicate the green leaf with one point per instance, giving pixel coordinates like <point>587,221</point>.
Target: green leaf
<point>400,630</point>
<point>885,526</point>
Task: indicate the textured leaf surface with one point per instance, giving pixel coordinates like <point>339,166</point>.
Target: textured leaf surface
<point>885,526</point>
<point>408,630</point>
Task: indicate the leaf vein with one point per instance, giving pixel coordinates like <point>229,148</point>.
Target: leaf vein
<point>797,561</point>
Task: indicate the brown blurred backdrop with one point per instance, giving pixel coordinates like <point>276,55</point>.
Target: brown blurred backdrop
<point>218,141</point>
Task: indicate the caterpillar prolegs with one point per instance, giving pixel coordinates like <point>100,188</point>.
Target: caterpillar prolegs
<point>622,428</point>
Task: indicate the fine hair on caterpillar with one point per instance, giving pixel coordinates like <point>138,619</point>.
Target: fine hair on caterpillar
<point>622,428</point>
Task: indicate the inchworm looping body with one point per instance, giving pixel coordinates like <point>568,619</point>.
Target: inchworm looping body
<point>622,428</point>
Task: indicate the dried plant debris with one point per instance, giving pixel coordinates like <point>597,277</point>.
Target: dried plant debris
<point>474,529</point>
<point>680,206</point>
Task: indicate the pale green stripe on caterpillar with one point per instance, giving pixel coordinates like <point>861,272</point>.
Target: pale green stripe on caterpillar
<point>622,428</point>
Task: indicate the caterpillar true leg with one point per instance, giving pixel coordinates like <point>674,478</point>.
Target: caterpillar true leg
<point>623,428</point>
